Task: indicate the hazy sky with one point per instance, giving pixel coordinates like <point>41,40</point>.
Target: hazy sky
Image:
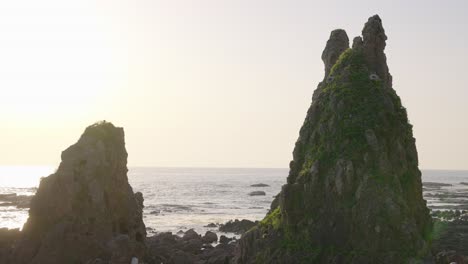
<point>214,83</point>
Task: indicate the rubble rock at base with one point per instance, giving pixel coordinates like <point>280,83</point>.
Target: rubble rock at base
<point>237,226</point>
<point>171,249</point>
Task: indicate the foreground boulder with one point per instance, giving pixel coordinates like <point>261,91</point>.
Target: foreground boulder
<point>171,249</point>
<point>86,212</point>
<point>354,193</point>
<point>236,226</point>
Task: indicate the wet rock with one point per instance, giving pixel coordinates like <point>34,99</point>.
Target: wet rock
<point>193,246</point>
<point>260,185</point>
<point>224,239</point>
<point>168,248</point>
<point>86,210</point>
<point>222,254</point>
<point>450,257</point>
<point>210,237</point>
<point>211,225</point>
<point>448,215</point>
<point>236,226</point>
<point>450,233</point>
<point>181,257</point>
<point>191,234</point>
<point>20,201</point>
<point>436,185</point>
<point>257,193</point>
<point>207,246</point>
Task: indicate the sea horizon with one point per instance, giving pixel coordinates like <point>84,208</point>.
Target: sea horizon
<point>8,173</point>
<point>180,198</point>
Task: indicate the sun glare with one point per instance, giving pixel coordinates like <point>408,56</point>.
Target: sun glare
<point>23,176</point>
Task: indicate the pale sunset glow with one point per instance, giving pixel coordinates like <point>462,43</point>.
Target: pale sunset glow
<point>213,83</point>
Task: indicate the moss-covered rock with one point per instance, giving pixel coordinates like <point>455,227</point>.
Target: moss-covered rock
<point>354,193</point>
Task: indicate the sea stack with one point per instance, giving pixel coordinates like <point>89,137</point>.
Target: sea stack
<point>86,212</point>
<point>353,193</point>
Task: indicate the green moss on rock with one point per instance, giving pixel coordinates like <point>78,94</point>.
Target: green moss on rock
<point>354,193</point>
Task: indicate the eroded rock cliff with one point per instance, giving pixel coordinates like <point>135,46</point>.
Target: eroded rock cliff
<point>353,194</point>
<point>86,211</point>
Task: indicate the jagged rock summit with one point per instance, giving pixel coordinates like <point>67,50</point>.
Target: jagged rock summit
<point>354,193</point>
<point>86,212</point>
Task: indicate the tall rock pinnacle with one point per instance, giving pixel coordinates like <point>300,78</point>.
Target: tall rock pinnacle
<point>337,43</point>
<point>373,48</point>
<point>86,210</point>
<point>354,192</point>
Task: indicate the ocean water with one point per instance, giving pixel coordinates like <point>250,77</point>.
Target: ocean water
<point>182,198</point>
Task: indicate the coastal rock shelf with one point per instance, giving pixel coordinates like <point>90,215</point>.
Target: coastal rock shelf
<point>354,192</point>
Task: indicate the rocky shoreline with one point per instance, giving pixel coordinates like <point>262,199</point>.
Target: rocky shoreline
<point>450,244</point>
<point>18,201</point>
<point>190,247</point>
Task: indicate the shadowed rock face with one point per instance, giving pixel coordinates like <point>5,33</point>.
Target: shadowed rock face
<point>373,48</point>
<point>353,194</point>
<point>337,43</point>
<point>87,209</point>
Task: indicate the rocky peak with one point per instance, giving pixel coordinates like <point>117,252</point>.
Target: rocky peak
<point>336,44</point>
<point>353,193</point>
<point>374,39</point>
<point>86,210</point>
<point>357,42</point>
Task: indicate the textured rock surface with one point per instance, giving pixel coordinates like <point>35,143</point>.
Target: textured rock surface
<point>353,194</point>
<point>7,240</point>
<point>337,43</point>
<point>236,226</point>
<point>172,249</point>
<point>86,210</point>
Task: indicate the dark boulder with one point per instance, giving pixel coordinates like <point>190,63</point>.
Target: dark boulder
<point>450,257</point>
<point>257,193</point>
<point>224,239</point>
<point>211,225</point>
<point>236,226</point>
<point>20,201</point>
<point>210,237</point>
<point>191,234</point>
<point>260,185</point>
<point>192,246</point>
<point>168,248</point>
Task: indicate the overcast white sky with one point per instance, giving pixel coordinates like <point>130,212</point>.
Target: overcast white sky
<point>214,83</point>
